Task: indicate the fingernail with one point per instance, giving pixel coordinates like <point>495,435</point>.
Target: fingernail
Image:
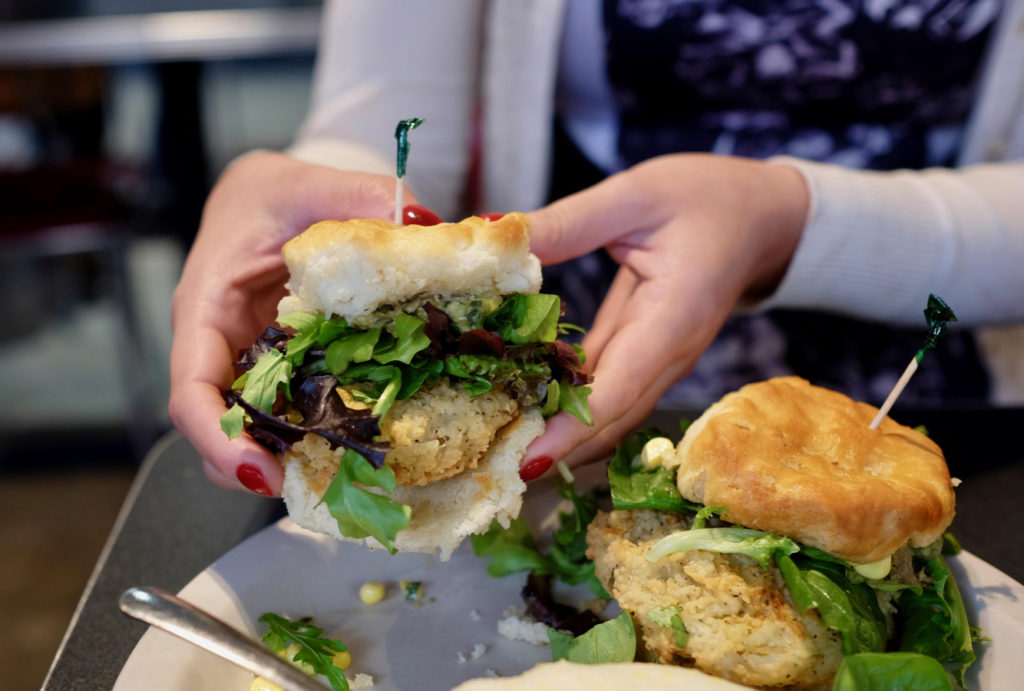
<point>535,467</point>
<point>414,214</point>
<point>491,216</point>
<point>252,478</point>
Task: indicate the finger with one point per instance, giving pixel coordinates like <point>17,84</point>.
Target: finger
<point>241,462</point>
<point>333,194</point>
<point>607,321</point>
<point>635,368</point>
<point>200,370</point>
<point>587,220</point>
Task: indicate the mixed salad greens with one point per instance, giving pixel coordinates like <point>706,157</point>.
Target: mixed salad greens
<point>933,635</point>
<point>290,379</point>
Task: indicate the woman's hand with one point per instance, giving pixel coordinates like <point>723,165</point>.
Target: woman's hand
<point>694,234</point>
<point>230,287</point>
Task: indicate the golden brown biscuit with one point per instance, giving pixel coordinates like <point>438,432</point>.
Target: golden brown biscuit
<point>799,460</point>
<point>354,268</point>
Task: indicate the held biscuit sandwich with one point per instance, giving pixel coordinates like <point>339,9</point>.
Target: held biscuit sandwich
<point>782,539</point>
<point>416,365</point>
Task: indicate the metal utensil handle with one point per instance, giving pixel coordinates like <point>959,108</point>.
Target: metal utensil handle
<point>165,611</point>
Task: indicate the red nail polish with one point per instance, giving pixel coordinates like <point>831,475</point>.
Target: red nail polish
<point>252,478</point>
<point>414,214</point>
<point>491,216</point>
<point>535,467</point>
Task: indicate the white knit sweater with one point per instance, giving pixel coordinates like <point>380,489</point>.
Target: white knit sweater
<point>874,246</point>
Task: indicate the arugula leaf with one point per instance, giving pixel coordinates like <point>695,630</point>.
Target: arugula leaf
<point>612,641</point>
<point>890,672</point>
<point>314,649</point>
<point>232,423</point>
<point>359,512</point>
<point>261,384</point>
<point>306,326</point>
<point>550,406</point>
<point>272,370</point>
<point>573,400</point>
<point>635,488</point>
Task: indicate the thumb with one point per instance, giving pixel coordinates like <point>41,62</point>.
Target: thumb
<point>308,193</point>
<point>585,221</point>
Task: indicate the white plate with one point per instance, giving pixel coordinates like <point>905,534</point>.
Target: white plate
<point>405,645</point>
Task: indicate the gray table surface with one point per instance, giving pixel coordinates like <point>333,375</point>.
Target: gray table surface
<point>175,523</point>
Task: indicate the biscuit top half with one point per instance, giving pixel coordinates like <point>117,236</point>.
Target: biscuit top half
<point>354,268</point>
<point>798,460</point>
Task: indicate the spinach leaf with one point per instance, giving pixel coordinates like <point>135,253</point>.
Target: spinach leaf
<point>847,607</point>
<point>514,548</point>
<point>511,549</point>
<point>612,641</point>
<point>526,318</point>
<point>408,341</point>
<point>355,346</point>
<point>633,487</point>
<point>935,622</point>
<point>890,672</point>
<point>361,513</point>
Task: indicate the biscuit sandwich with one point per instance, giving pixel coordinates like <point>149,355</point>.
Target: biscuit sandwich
<point>413,367</point>
<point>783,542</point>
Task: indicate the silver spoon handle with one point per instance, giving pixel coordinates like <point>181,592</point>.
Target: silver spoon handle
<point>165,611</point>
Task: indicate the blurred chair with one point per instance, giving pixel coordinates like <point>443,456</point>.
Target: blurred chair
<point>69,210</point>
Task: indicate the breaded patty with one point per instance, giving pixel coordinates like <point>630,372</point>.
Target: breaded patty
<point>741,623</point>
<point>435,434</point>
<point>442,431</point>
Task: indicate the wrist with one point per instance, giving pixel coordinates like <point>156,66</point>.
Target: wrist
<point>785,203</point>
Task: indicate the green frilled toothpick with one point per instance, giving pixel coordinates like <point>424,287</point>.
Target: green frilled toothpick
<point>938,314</point>
<point>402,136</point>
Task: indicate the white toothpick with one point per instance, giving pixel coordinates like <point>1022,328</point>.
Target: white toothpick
<point>894,394</point>
<point>399,193</point>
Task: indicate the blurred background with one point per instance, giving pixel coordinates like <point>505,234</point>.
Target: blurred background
<point>115,118</point>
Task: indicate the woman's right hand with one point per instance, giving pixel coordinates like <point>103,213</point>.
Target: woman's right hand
<point>233,278</point>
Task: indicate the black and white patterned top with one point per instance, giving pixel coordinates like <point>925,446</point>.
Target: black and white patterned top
<point>877,84</point>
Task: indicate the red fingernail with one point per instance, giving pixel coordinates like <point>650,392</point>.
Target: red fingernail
<point>491,216</point>
<point>535,467</point>
<point>416,215</point>
<point>252,478</point>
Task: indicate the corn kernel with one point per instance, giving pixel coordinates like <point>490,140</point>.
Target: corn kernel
<point>342,659</point>
<point>656,452</point>
<point>262,684</point>
<point>371,592</point>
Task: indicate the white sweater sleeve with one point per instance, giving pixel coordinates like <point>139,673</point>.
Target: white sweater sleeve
<point>876,244</point>
<point>387,60</point>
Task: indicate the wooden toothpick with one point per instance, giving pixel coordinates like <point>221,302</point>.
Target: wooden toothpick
<point>938,314</point>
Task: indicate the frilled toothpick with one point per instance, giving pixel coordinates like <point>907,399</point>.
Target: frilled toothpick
<point>402,136</point>
<point>938,314</point>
